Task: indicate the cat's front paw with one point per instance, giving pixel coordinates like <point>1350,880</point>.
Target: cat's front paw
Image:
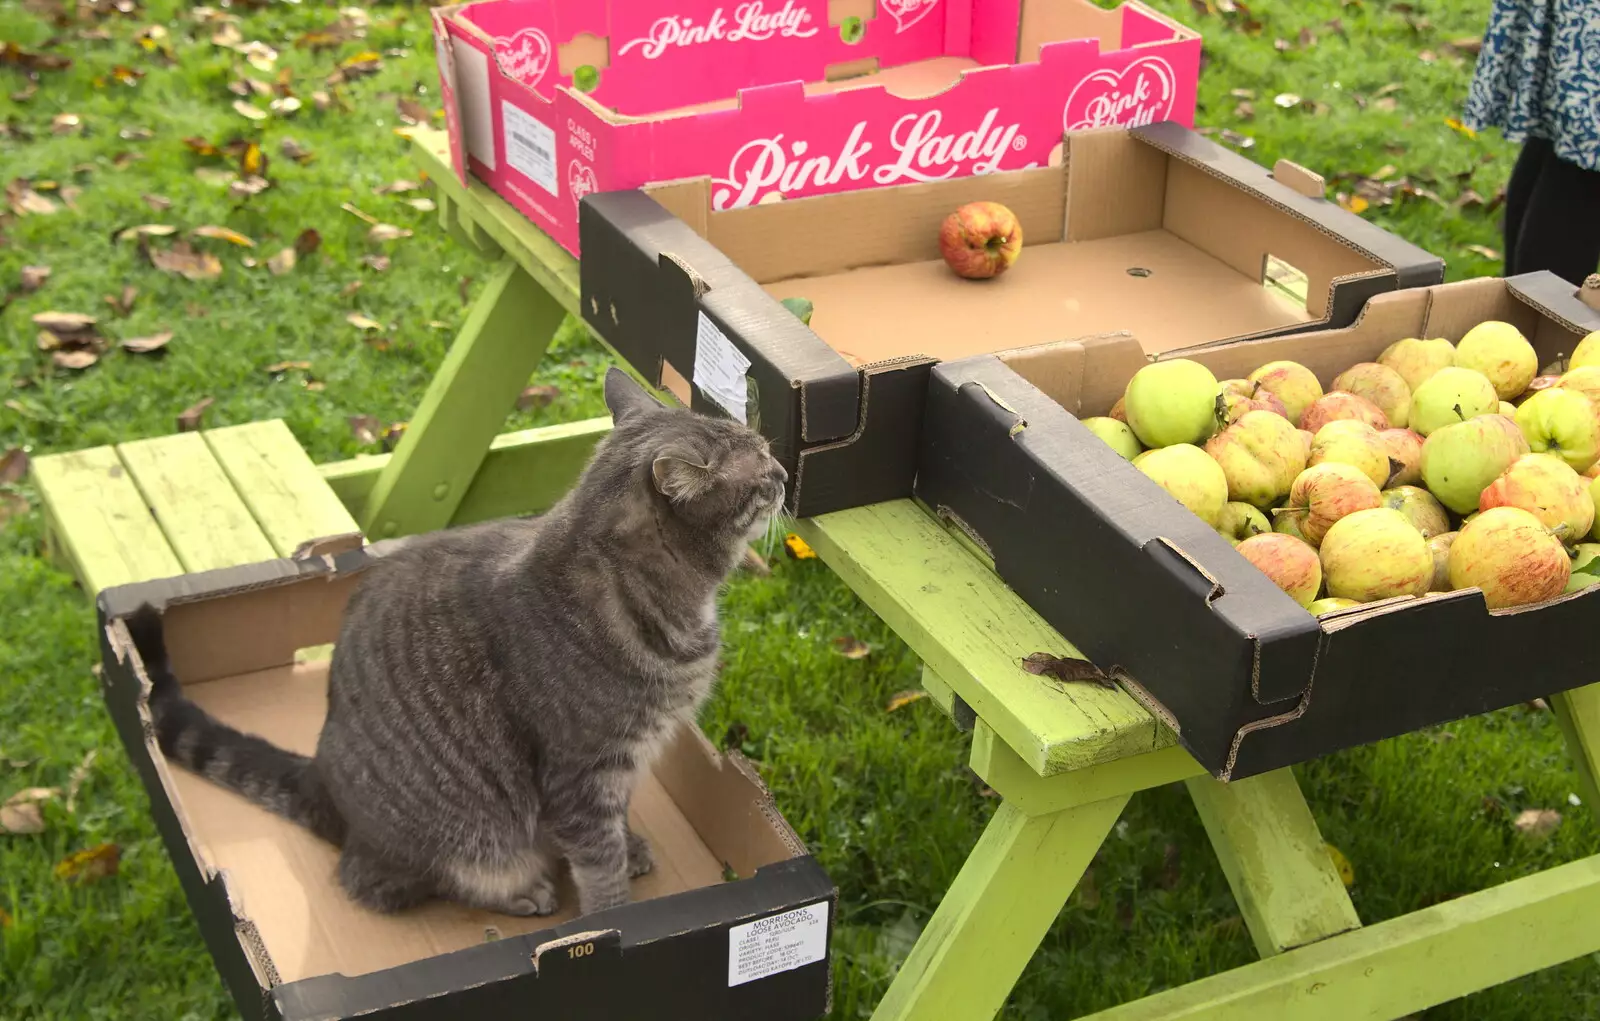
<point>538,899</point>
<point>640,858</point>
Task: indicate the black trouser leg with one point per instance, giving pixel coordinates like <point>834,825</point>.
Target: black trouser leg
<point>1559,228</point>
<point>1536,152</point>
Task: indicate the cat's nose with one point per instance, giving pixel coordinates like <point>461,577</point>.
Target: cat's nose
<point>779,472</point>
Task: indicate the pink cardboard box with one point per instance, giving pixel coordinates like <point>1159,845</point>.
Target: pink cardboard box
<point>549,100</point>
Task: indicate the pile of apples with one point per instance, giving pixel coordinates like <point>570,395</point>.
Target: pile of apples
<point>1437,467</point>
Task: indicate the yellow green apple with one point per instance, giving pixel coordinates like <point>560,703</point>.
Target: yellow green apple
<point>1116,435</point>
<point>1546,487</point>
<point>1381,385</point>
<point>1338,405</point>
<point>1375,554</point>
<point>1564,423</point>
<point>1260,454</point>
<point>1241,395</point>
<point>1507,409</point>
<point>1348,441</point>
<point>1328,604</point>
<point>1418,506</point>
<point>1511,556</point>
<point>1119,410</point>
<point>1449,396</point>
<point>1584,379</point>
<point>1405,449</point>
<point>1172,402</point>
<point>1190,476</point>
<point>1291,564</point>
<point>1459,460</point>
<point>1287,522</point>
<point>1502,354</point>
<point>1586,353</point>
<point>1417,359</point>
<point>1293,383</point>
<point>1439,546</point>
<point>1324,493</point>
<point>1239,521</point>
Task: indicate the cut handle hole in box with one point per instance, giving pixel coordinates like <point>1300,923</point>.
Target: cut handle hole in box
<point>1285,281</point>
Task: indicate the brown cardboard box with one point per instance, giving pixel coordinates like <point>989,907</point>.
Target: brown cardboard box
<point>1153,230</point>
<point>291,945</point>
<point>1247,679</point>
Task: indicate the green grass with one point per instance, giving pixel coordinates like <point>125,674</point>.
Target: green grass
<point>883,799</point>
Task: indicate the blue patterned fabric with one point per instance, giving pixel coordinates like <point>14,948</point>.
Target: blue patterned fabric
<point>1539,74</point>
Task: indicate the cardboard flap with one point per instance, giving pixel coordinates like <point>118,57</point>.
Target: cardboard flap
<point>1551,295</point>
<point>444,55</point>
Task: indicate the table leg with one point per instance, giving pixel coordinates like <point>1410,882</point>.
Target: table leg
<point>1275,860</point>
<point>1578,711</point>
<point>996,912</point>
<point>496,351</point>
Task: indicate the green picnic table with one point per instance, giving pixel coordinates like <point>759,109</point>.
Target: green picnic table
<point>1065,759</point>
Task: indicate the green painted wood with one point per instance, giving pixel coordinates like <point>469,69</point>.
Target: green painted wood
<point>464,229</point>
<point>992,918</point>
<point>1013,779</point>
<point>940,693</point>
<point>1405,964</point>
<point>1578,711</point>
<point>98,520</point>
<point>1275,859</point>
<point>277,481</point>
<point>193,500</point>
<point>498,348</point>
<point>963,621</point>
<point>550,265</point>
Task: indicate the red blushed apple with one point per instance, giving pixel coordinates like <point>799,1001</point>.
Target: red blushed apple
<point>980,240</point>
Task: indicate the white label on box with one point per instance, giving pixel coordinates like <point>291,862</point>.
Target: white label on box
<point>472,99</point>
<point>777,944</point>
<point>719,368</point>
<point>530,146</point>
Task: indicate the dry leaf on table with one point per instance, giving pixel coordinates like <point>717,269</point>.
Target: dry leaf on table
<point>1065,668</point>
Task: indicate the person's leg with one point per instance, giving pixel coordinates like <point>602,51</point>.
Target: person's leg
<point>1560,227</point>
<point>1536,152</point>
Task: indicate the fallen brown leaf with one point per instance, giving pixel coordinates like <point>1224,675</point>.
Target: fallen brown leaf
<point>297,152</point>
<point>66,124</point>
<point>797,548</point>
<point>249,111</point>
<point>422,205</point>
<point>851,647</point>
<point>1457,126</point>
<point>13,465</point>
<point>362,322</point>
<point>356,212</point>
<point>901,699</point>
<point>282,262</point>
<point>80,773</point>
<point>89,865</point>
<point>411,112</point>
<point>278,368</point>
<point>33,277</point>
<point>1485,251</point>
<point>1067,669</point>
<point>75,360</point>
<point>189,418</point>
<point>123,304</point>
<point>348,289</point>
<point>147,230</point>
<point>376,263</point>
<point>1341,865</point>
<point>186,262</point>
<point>25,201</point>
<point>159,203</point>
<point>227,234</point>
<point>64,322</point>
<point>537,396</point>
<point>1286,100</point>
<point>365,429</point>
<point>243,189</point>
<point>285,106</point>
<point>755,563</point>
<point>49,340</point>
<point>21,814</point>
<point>1537,822</point>
<point>387,232</point>
<point>145,345</point>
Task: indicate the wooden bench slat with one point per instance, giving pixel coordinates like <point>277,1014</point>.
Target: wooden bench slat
<point>278,483</point>
<point>99,520</point>
<point>192,498</point>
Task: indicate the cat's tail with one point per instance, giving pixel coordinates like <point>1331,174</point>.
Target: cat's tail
<point>277,780</point>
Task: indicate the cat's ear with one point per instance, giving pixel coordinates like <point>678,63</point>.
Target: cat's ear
<point>679,480</point>
<point>625,397</point>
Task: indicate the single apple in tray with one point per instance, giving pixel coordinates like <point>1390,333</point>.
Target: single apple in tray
<point>1562,422</point>
<point>980,240</point>
<point>1241,395</point>
<point>1190,476</point>
<point>1418,506</point>
<point>1239,521</point>
<point>1116,435</point>
<point>1260,454</point>
<point>1338,405</point>
<point>1327,604</point>
<point>1291,564</point>
<point>1405,449</point>
<point>1586,353</point>
<point>1459,461</point>
<point>1546,487</point>
<point>1381,385</point>
<point>1507,409</point>
<point>1585,380</point>
<point>1172,402</point>
<point>1511,556</point>
<point>1502,354</point>
<point>1294,384</point>
<point>1449,396</point>
<point>1417,359</point>
<point>1324,493</point>
<point>1348,441</point>
<point>1375,554</point>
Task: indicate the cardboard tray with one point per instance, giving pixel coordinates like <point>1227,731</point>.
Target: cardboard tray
<point>785,98</point>
<point>1248,679</point>
<point>1153,229</point>
<point>292,947</point>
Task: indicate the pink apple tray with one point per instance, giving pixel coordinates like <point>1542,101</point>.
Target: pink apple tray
<point>549,100</point>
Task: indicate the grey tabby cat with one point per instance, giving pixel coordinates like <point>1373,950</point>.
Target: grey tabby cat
<point>496,690</point>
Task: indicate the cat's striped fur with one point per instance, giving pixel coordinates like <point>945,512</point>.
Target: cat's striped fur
<point>495,690</point>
